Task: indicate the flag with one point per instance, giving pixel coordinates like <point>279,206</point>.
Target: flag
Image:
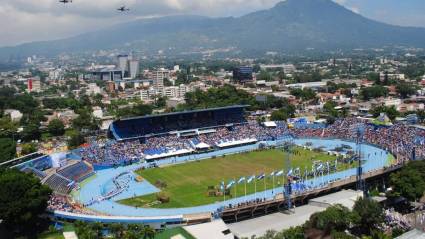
<point>272,174</point>
<point>250,179</point>
<point>261,176</point>
<point>222,186</point>
<point>290,172</point>
<point>241,180</point>
<point>279,173</point>
<point>230,184</point>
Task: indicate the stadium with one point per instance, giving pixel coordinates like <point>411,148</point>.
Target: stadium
<point>190,167</point>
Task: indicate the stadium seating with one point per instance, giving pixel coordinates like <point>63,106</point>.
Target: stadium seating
<point>76,172</point>
<point>38,173</point>
<point>59,183</point>
<point>159,124</point>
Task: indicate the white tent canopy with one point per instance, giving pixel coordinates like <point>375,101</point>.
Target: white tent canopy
<point>270,124</point>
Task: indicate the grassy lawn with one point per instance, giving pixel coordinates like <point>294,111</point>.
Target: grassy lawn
<point>187,184</point>
<point>173,232</point>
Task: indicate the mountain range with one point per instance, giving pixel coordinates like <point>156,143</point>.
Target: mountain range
<point>291,25</point>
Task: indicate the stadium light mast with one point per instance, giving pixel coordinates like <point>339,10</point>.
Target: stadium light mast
<point>287,188</point>
<point>359,140</point>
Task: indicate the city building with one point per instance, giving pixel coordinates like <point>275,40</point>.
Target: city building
<point>123,64</point>
<point>34,84</point>
<point>158,77</point>
<point>133,68</point>
<point>15,115</point>
<point>243,74</point>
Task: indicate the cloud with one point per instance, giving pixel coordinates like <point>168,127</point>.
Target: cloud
<point>31,20</point>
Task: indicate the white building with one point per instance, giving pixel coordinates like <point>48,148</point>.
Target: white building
<point>93,89</point>
<point>15,115</point>
<point>158,77</point>
<point>391,76</point>
<point>123,64</point>
<point>133,68</point>
<point>97,112</point>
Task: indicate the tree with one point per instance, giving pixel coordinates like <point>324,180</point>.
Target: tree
<point>391,112</point>
<point>279,115</point>
<point>22,200</point>
<point>31,132</point>
<point>56,127</point>
<point>306,94</point>
<point>376,91</point>
<point>7,149</point>
<point>409,182</point>
<point>75,139</point>
<point>367,215</point>
<point>28,148</point>
<point>292,233</point>
<point>334,218</point>
<point>405,90</point>
<point>117,230</point>
<point>148,232</point>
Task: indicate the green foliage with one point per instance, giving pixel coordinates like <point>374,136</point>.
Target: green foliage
<point>85,121</point>
<point>8,128</point>
<point>334,218</point>
<point>28,148</point>
<point>75,139</point>
<point>265,76</point>
<point>373,77</point>
<point>293,233</point>
<point>367,215</point>
<point>391,111</point>
<point>409,182</point>
<point>31,132</point>
<point>7,149</point>
<point>333,87</point>
<point>22,200</point>
<point>56,127</point>
<point>405,90</point>
<point>137,110</point>
<point>376,91</point>
<point>282,114</point>
<point>305,94</point>
<point>61,103</point>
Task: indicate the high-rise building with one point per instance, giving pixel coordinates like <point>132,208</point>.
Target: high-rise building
<point>34,84</point>
<point>133,68</point>
<point>158,77</point>
<point>243,74</point>
<point>123,64</point>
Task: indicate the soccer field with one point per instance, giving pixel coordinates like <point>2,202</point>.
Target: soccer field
<point>187,184</point>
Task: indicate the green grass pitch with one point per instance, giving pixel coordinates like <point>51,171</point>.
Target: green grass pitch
<point>187,184</point>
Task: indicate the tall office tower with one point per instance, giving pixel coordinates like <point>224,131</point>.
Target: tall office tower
<point>243,74</point>
<point>133,68</point>
<point>123,64</point>
<point>158,77</point>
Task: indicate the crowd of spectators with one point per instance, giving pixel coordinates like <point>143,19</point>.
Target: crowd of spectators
<point>398,139</point>
<point>109,152</point>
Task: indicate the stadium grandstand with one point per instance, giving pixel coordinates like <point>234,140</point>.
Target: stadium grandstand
<point>185,123</point>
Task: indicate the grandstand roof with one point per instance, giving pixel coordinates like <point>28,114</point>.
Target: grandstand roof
<point>186,112</point>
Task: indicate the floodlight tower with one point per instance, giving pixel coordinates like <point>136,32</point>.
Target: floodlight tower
<point>359,140</point>
<point>287,188</point>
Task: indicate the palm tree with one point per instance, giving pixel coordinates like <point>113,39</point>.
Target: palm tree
<point>117,229</point>
<point>148,232</point>
<point>97,227</point>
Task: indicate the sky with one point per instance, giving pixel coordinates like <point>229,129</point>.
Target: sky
<point>33,20</point>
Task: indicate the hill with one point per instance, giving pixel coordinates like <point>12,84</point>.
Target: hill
<point>291,25</point>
